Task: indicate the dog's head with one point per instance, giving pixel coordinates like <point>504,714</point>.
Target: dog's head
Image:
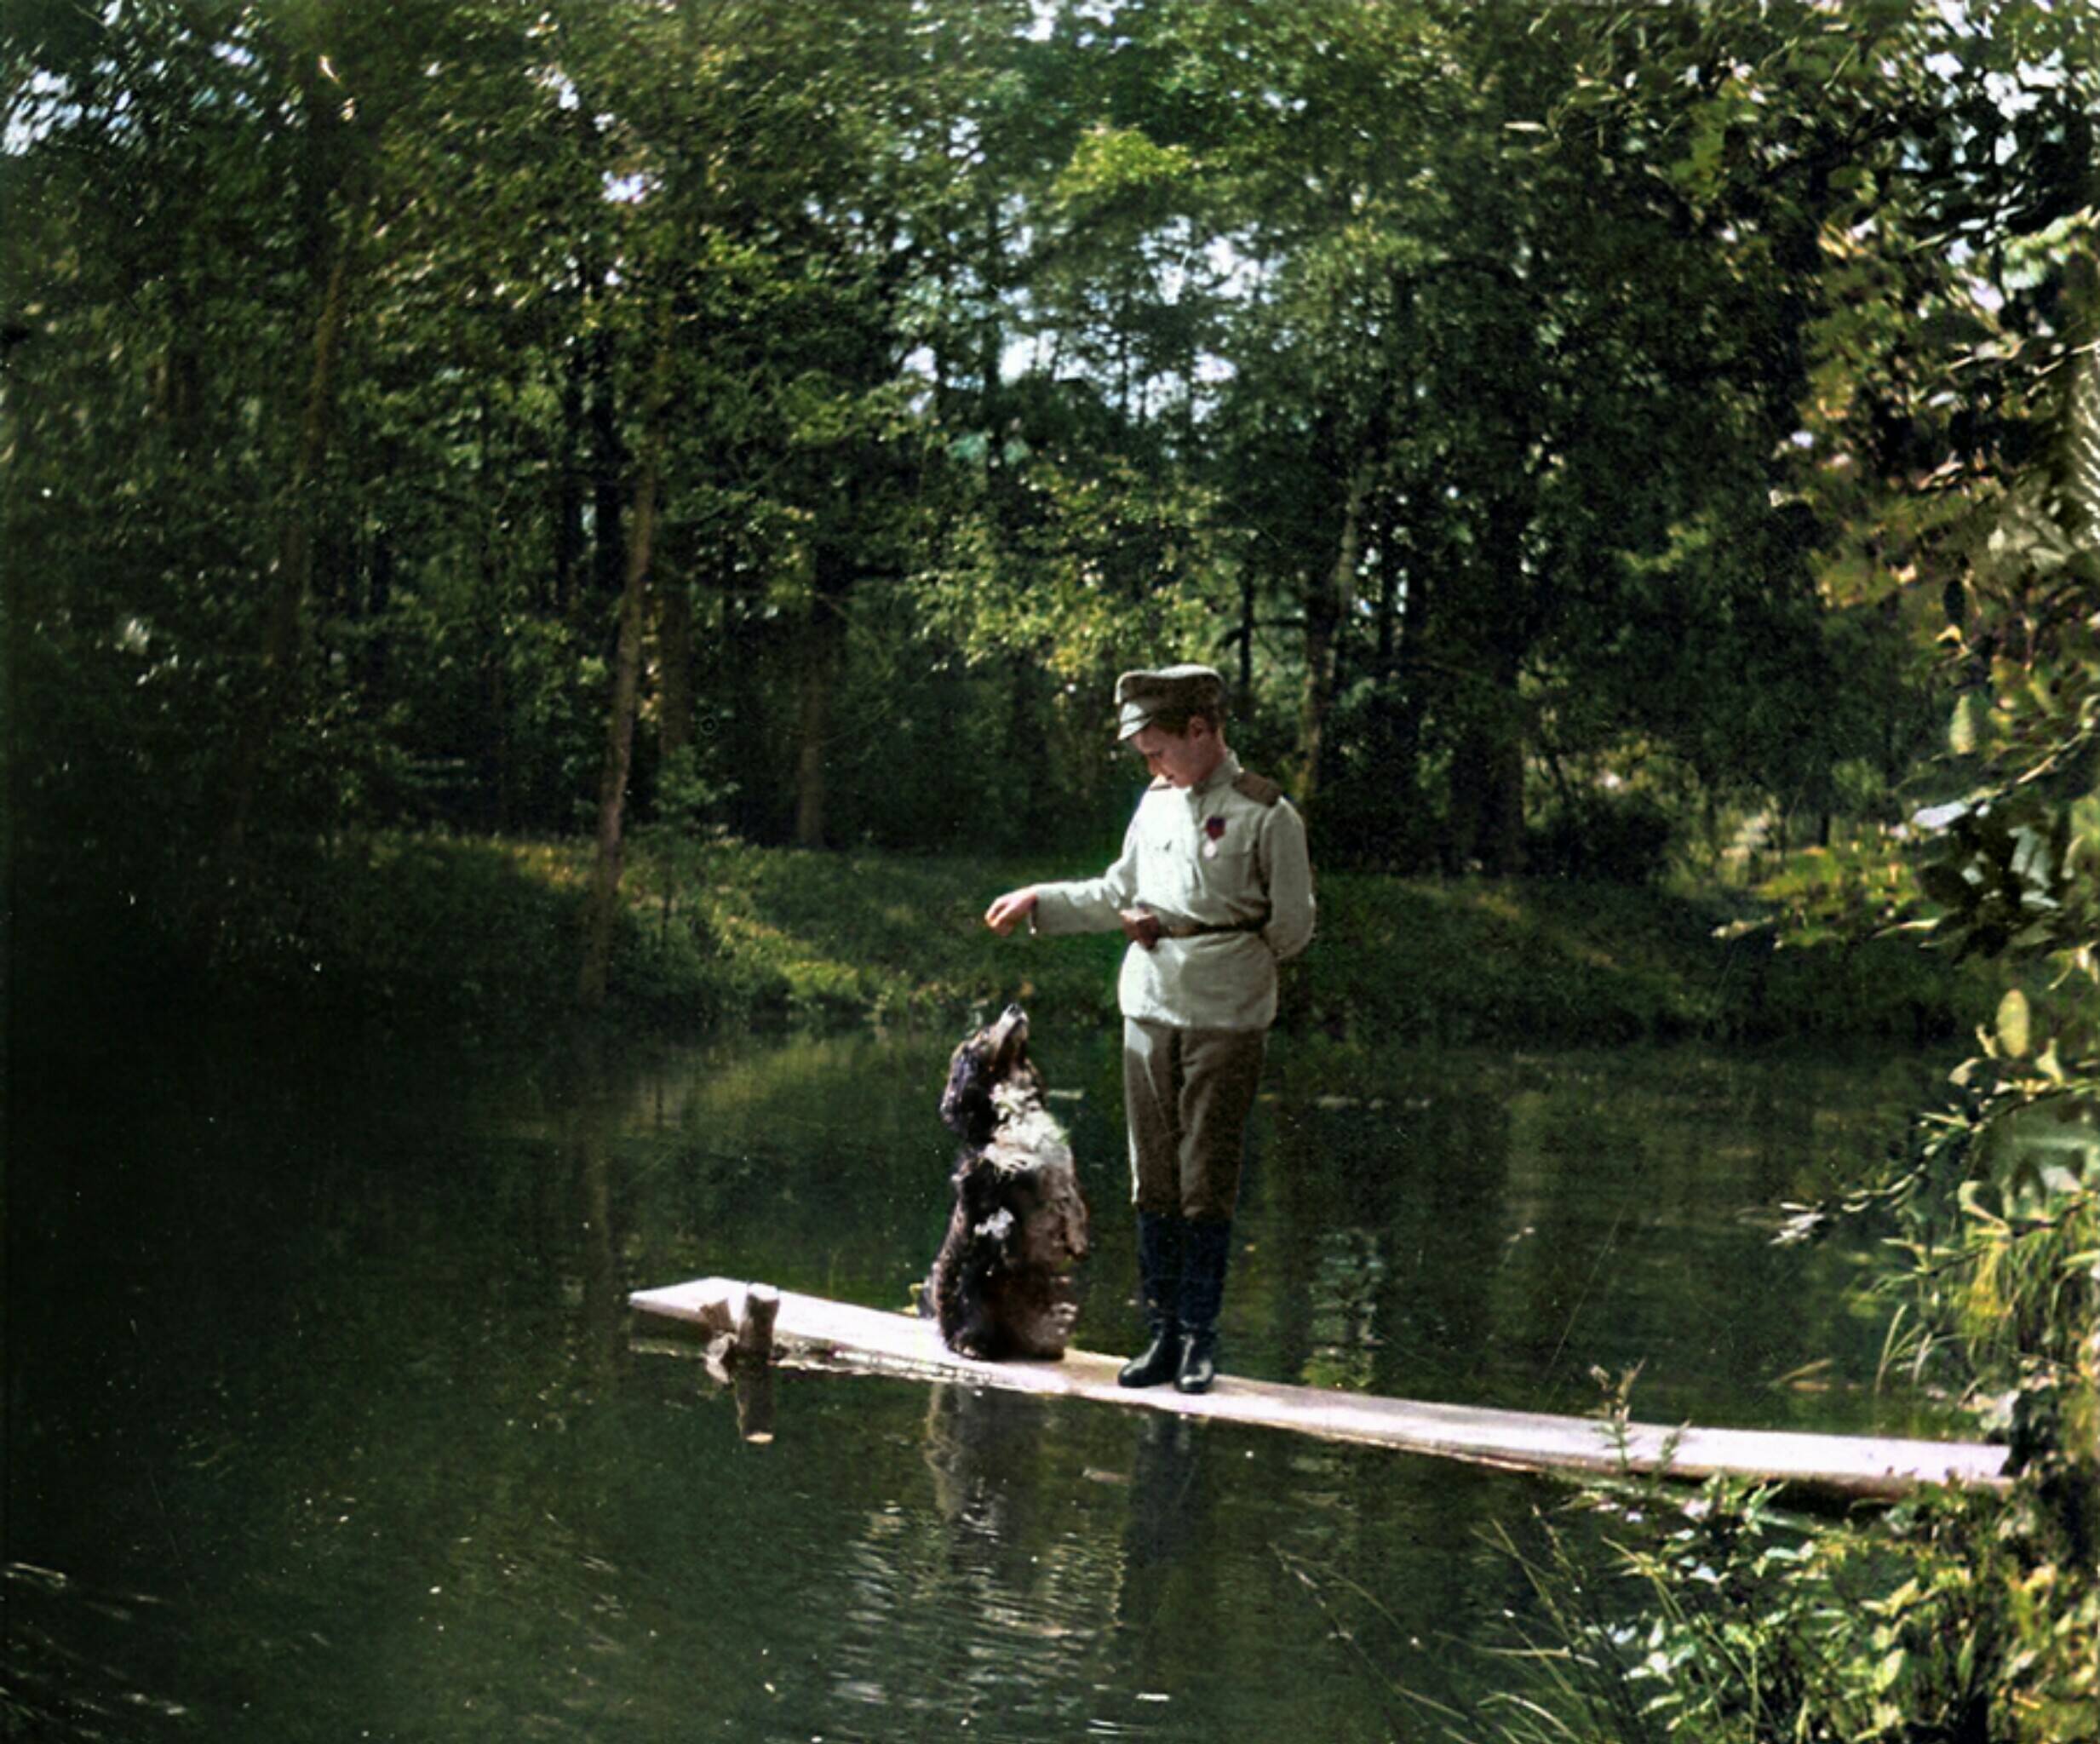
<point>995,1055</point>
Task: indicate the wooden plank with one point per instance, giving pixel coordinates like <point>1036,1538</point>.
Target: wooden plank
<point>813,1331</point>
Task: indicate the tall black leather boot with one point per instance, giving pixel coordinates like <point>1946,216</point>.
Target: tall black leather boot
<point>1206,1248</point>
<point>1159,1286</point>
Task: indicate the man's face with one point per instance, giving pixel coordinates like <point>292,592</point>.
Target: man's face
<point>1182,758</point>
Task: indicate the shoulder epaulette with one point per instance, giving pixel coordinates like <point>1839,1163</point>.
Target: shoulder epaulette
<point>1257,788</point>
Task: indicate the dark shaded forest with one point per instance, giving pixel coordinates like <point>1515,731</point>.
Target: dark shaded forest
<point>784,420</point>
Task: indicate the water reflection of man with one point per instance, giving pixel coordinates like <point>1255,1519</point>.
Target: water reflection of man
<point>1214,889</point>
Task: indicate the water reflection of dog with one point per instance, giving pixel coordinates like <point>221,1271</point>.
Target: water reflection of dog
<point>1001,1284</point>
<point>1022,1588</point>
<point>981,1448</point>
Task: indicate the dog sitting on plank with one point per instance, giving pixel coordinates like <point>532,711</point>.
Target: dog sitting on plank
<point>1001,1285</point>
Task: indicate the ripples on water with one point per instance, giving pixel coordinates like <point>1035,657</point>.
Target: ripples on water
<point>325,1422</point>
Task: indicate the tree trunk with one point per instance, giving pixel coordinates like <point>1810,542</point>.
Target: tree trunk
<point>570,466</point>
<point>378,602</point>
<point>1328,602</point>
<point>674,690</point>
<point>824,650</point>
<point>181,380</point>
<point>1380,807</point>
<point>604,896</point>
<point>1407,662</point>
<point>1488,768</point>
<point>1026,732</point>
<point>608,469</point>
<point>809,760</point>
<point>285,631</point>
<point>1497,762</point>
<point>498,765</point>
<point>291,571</point>
<point>1243,696</point>
<point>494,772</point>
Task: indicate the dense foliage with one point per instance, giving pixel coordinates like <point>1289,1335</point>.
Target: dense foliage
<point>1525,404</point>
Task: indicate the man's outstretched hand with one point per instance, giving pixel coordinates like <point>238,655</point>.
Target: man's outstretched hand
<point>1008,911</point>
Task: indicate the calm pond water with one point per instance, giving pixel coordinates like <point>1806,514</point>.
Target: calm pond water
<point>326,1421</point>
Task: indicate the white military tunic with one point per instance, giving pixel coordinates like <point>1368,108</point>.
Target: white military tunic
<point>1213,855</point>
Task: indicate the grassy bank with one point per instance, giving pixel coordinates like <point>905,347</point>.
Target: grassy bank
<point>483,937</point>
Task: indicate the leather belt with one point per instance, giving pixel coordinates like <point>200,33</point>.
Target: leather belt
<point>1145,920</point>
<point>1192,929</point>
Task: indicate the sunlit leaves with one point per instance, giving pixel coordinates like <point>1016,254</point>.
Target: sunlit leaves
<point>1108,565</point>
<point>2014,1024</point>
<point>1119,166</point>
<point>1964,732</point>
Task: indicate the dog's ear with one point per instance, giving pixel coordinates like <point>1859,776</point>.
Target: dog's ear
<point>977,1188</point>
<point>985,1200</point>
<point>966,1103</point>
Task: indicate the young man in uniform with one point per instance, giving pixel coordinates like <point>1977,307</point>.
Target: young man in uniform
<point>1214,889</point>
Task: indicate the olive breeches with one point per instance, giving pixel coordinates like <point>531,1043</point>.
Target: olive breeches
<point>1186,1095</point>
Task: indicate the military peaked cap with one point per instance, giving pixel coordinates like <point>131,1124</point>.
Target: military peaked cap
<point>1173,689</point>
